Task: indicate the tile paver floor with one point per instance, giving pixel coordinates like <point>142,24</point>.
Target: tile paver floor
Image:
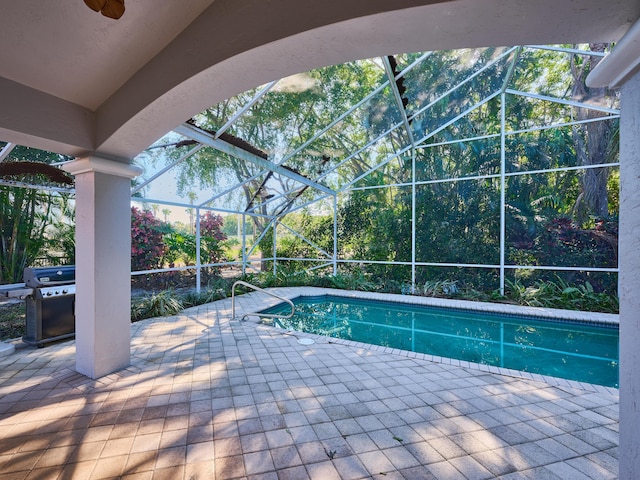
<point>209,397</point>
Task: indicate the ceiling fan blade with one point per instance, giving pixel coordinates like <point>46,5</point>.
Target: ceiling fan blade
<point>113,9</point>
<point>95,5</point>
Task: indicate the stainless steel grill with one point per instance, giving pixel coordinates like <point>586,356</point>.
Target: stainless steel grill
<point>50,295</point>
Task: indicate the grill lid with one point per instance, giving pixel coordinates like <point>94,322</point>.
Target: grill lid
<point>47,276</point>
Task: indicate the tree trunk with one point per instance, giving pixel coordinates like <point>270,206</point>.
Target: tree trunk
<point>592,141</point>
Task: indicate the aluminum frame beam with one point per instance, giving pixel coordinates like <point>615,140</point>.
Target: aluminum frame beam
<point>306,240</point>
<point>463,82</point>
<point>188,205</point>
<point>182,158</point>
<point>244,108</point>
<point>571,103</point>
<point>6,150</point>
<point>234,187</point>
<point>338,119</point>
<point>484,265</point>
<point>575,51</point>
<point>304,205</point>
<point>11,183</point>
<point>396,94</point>
<point>209,140</point>
<point>488,176</point>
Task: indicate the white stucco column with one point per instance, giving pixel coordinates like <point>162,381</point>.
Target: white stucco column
<point>103,264</point>
<point>621,69</point>
<point>629,279</point>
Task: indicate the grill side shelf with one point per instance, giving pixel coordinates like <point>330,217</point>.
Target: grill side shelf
<point>16,291</point>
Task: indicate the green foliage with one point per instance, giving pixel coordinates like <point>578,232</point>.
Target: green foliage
<point>560,294</point>
<point>162,304</point>
<point>440,288</point>
<point>180,246</point>
<point>168,302</point>
<point>563,242</point>
<point>550,294</point>
<point>317,229</point>
<point>459,222</point>
<point>61,238</point>
<point>455,222</point>
<point>541,293</point>
<point>285,118</point>
<point>156,244</point>
<point>12,321</point>
<point>230,227</point>
<point>25,215</point>
<point>376,225</point>
<point>210,294</point>
<point>355,281</point>
<point>292,278</point>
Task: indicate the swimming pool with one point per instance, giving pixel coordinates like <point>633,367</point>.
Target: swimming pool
<point>566,349</point>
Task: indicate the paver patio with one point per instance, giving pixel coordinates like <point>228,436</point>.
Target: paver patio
<point>210,397</point>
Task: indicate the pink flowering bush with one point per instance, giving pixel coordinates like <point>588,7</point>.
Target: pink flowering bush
<point>147,245</point>
<point>155,244</point>
<point>211,238</point>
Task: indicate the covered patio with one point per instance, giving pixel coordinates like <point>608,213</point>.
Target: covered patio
<point>210,397</point>
<point>200,393</point>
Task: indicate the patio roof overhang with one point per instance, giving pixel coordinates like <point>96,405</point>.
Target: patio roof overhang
<point>75,82</point>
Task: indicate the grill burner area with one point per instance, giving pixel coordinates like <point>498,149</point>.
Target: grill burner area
<point>60,291</point>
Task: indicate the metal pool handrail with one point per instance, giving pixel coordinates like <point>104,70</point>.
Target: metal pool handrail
<point>258,289</point>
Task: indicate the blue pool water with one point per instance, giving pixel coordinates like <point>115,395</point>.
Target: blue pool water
<point>565,349</point>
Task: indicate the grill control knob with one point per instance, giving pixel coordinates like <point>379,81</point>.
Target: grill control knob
<point>48,294</point>
<point>65,291</point>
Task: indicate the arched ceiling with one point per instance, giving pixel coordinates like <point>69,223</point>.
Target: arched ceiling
<point>74,82</point>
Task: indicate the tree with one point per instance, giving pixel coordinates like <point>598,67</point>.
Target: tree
<point>61,233</point>
<point>287,117</point>
<point>192,198</point>
<point>231,225</point>
<point>458,222</point>
<point>596,142</point>
<point>453,103</point>
<point>25,215</point>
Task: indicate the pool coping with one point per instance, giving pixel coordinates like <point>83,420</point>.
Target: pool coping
<point>591,317</point>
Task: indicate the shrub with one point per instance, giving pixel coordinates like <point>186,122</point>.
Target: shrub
<point>147,246</point>
<point>211,238</point>
<point>560,294</point>
<point>162,304</point>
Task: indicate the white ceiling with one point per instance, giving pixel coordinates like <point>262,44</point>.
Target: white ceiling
<point>76,82</point>
<point>67,50</point>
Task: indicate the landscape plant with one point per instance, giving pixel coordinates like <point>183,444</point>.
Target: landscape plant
<point>159,304</point>
<point>147,244</point>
